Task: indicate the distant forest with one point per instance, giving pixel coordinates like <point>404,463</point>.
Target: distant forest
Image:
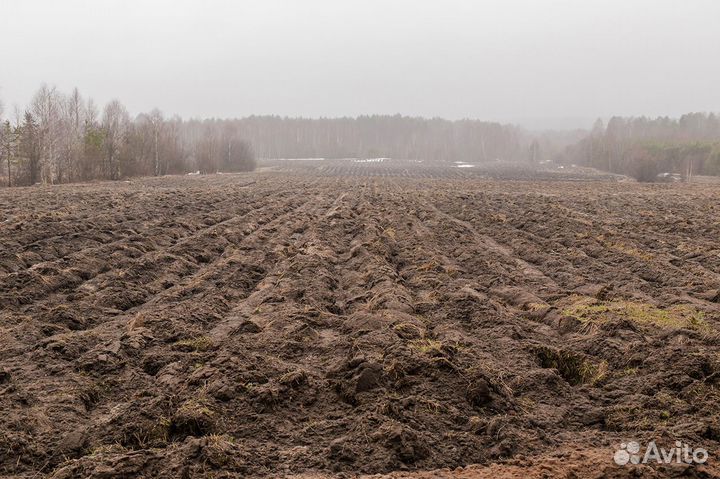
<point>62,138</point>
<point>643,147</point>
<point>375,136</point>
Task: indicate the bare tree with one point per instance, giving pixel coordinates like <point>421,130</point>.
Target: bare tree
<point>74,117</point>
<point>46,110</point>
<point>174,157</point>
<point>91,111</point>
<point>156,120</point>
<point>208,150</point>
<point>92,154</point>
<point>115,126</point>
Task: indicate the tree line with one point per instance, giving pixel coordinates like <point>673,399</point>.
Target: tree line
<point>644,148</point>
<point>396,136</point>
<point>63,138</point>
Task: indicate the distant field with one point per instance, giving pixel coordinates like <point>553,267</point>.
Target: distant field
<point>326,317</point>
<point>393,168</point>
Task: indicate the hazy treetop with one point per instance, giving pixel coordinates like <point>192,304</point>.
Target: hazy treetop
<point>553,63</point>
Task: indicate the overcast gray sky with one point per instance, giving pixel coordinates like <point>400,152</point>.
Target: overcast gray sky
<point>508,60</point>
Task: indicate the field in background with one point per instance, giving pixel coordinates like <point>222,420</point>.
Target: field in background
<point>325,317</point>
<point>408,168</point>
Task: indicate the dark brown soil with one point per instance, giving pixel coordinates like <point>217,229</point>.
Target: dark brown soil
<point>275,324</point>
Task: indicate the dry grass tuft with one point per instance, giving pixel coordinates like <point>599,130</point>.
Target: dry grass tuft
<point>591,310</point>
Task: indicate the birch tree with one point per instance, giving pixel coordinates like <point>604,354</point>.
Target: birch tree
<point>156,121</point>
<point>74,116</point>
<point>45,107</point>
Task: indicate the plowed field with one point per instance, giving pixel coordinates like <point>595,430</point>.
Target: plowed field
<point>280,323</point>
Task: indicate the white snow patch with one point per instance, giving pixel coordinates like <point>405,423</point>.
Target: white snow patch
<point>371,160</point>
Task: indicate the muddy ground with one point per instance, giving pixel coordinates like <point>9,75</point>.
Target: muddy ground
<point>300,321</point>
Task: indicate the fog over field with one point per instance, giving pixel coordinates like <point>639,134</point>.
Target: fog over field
<point>557,63</point>
<point>120,89</point>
